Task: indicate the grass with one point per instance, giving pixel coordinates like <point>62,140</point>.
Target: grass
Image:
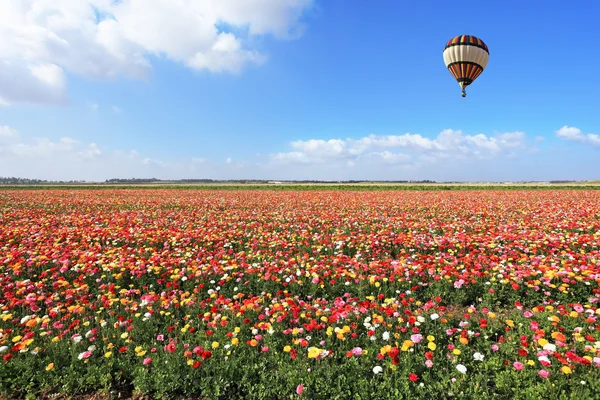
<point>367,186</point>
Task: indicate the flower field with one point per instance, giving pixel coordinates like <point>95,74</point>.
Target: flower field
<point>290,295</point>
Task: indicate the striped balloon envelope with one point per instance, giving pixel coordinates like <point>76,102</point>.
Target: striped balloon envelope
<point>466,57</point>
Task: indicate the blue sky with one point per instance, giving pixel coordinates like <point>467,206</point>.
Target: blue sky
<point>296,89</point>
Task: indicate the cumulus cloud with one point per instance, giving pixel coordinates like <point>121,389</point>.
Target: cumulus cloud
<point>575,134</point>
<point>402,149</point>
<point>7,134</point>
<point>42,40</point>
<point>71,159</point>
<point>451,155</point>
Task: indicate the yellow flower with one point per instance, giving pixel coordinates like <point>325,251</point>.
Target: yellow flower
<point>574,314</point>
<point>530,362</point>
<point>108,354</point>
<point>542,342</point>
<point>124,335</point>
<point>313,352</point>
<point>492,315</point>
<point>566,370</point>
<point>456,352</point>
<point>510,323</point>
<point>237,329</point>
<point>235,341</point>
<point>50,366</point>
<point>16,339</point>
<point>431,346</point>
<point>430,338</point>
<point>287,349</point>
<point>190,362</point>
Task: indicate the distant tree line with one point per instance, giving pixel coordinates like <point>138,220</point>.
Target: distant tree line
<point>27,181</point>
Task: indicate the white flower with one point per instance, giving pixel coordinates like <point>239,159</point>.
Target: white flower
<point>3,349</point>
<point>550,347</point>
<point>386,336</point>
<point>461,368</point>
<point>434,317</point>
<point>478,356</point>
<point>25,319</point>
<point>377,369</point>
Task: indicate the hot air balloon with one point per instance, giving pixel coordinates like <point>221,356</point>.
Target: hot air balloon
<point>466,57</point>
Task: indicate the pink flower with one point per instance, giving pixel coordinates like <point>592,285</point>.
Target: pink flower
<point>147,360</point>
<point>170,347</point>
<point>265,349</point>
<point>543,373</point>
<point>160,338</point>
<point>527,314</point>
<point>495,347</point>
<point>429,363</point>
<point>416,338</point>
<point>518,366</point>
<point>357,351</point>
<point>300,389</point>
<point>315,280</point>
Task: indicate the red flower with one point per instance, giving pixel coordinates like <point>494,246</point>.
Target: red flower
<point>523,352</point>
<point>413,377</point>
<point>170,347</point>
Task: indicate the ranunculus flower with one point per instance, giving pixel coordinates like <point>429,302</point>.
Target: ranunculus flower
<point>518,366</point>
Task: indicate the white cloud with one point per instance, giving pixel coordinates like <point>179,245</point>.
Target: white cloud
<point>7,134</point>
<point>448,143</point>
<point>27,82</point>
<point>451,155</point>
<point>116,110</point>
<point>575,134</point>
<point>42,39</point>
<point>70,159</point>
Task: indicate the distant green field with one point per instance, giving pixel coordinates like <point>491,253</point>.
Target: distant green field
<point>376,186</point>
